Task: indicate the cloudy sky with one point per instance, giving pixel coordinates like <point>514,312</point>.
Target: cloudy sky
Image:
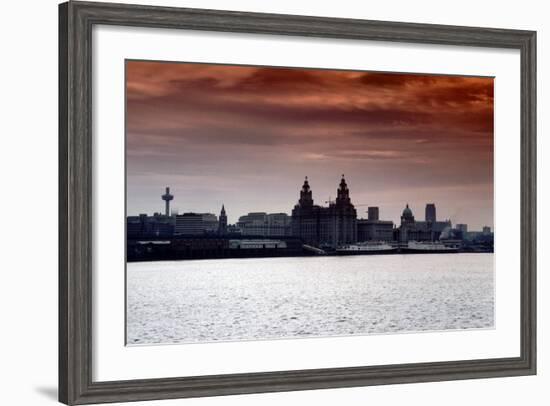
<point>246,136</point>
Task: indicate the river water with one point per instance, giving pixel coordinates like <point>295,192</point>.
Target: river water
<point>271,298</point>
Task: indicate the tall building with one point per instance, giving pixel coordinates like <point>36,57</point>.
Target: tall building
<point>345,216</point>
<point>222,223</point>
<point>431,229</point>
<point>373,213</point>
<point>305,217</point>
<point>430,213</point>
<point>333,226</point>
<point>486,230</point>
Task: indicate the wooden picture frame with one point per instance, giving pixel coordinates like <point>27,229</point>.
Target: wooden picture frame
<point>76,20</point>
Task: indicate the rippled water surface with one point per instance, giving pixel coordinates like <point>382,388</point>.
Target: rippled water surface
<point>249,299</point>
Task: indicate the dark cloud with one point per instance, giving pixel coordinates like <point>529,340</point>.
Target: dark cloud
<point>280,80</point>
<point>229,130</point>
<point>394,80</point>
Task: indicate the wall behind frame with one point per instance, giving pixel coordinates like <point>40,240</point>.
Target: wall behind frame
<point>28,207</point>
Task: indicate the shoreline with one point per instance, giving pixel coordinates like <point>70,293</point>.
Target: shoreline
<point>332,254</point>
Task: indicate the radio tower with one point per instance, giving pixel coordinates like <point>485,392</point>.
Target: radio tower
<point>167,197</point>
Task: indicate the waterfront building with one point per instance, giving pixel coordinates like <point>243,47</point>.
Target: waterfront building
<point>333,226</point>
<point>222,223</point>
<point>196,224</point>
<point>407,217</point>
<point>472,235</point>
<point>460,232</point>
<point>373,213</point>
<point>134,226</point>
<point>157,225</point>
<point>253,224</point>
<point>428,230</point>
<point>484,235</point>
<point>374,229</point>
<point>407,229</point>
<point>377,230</point>
<point>233,229</point>
<point>432,231</point>
<point>278,224</point>
<point>261,224</point>
<point>210,246</point>
<point>257,244</point>
<point>430,213</point>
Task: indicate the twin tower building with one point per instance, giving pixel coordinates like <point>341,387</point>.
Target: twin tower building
<point>319,226</point>
<point>337,224</point>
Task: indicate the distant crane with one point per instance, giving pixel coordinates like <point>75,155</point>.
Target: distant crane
<point>330,201</point>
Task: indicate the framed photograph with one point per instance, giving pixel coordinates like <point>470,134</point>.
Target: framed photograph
<point>258,202</point>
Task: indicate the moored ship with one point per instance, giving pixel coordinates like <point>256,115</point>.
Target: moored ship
<point>429,247</point>
<point>367,248</point>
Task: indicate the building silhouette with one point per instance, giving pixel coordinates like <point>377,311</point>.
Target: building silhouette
<point>428,230</point>
<point>196,224</point>
<point>374,229</point>
<point>430,213</point>
<point>278,224</point>
<point>431,227</point>
<point>373,213</point>
<point>407,217</point>
<point>157,225</point>
<point>253,224</point>
<point>407,229</point>
<point>204,234</point>
<point>222,222</point>
<point>332,226</point>
<point>167,197</point>
<point>262,224</point>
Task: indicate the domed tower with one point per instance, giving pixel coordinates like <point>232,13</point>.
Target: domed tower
<point>305,217</point>
<point>407,218</point>
<point>342,194</point>
<point>343,217</point>
<point>306,196</point>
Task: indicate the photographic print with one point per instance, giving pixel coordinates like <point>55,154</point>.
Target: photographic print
<point>281,203</point>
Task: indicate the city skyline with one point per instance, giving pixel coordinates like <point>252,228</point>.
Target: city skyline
<point>361,214</point>
<point>246,136</point>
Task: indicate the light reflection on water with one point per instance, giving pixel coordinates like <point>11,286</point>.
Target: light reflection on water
<point>269,298</point>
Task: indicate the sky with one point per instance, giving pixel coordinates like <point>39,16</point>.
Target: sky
<point>246,136</point>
